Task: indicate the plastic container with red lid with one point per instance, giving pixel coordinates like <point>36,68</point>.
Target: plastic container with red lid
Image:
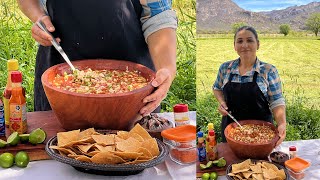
<point>182,143</point>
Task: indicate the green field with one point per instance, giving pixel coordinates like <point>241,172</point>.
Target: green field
<point>16,42</point>
<point>297,61</point>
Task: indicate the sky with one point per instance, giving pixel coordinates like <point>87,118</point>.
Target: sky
<point>268,5</point>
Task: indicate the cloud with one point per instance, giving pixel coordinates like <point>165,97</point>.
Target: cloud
<point>268,5</point>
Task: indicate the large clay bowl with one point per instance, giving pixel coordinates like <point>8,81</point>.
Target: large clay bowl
<point>101,111</point>
<point>253,151</point>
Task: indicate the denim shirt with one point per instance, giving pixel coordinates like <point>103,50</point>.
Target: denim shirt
<point>268,79</point>
<point>156,15</point>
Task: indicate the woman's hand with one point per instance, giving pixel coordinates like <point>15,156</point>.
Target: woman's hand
<point>282,133</point>
<point>162,82</point>
<point>222,108</point>
<point>40,36</point>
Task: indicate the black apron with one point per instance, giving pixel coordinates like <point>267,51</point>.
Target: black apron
<point>91,30</point>
<point>245,101</point>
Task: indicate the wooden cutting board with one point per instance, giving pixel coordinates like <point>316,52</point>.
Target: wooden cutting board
<point>223,151</point>
<point>40,119</point>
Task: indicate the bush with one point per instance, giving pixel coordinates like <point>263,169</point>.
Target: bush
<point>284,29</point>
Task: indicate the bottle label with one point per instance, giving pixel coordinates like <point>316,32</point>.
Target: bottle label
<point>181,119</point>
<point>18,118</point>
<point>2,121</point>
<point>202,153</point>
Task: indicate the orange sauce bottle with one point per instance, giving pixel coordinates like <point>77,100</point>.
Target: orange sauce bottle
<point>12,65</point>
<point>17,104</point>
<point>212,152</point>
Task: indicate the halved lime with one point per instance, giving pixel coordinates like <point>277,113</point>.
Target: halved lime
<point>202,166</point>
<point>6,160</point>
<point>209,164</point>
<point>24,138</point>
<point>2,143</point>
<point>22,159</point>
<point>13,139</point>
<point>37,136</point>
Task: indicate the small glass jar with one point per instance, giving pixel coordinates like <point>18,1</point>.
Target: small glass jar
<point>181,114</point>
<point>292,152</point>
<point>181,142</point>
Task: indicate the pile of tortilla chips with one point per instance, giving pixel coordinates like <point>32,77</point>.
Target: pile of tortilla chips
<point>135,146</point>
<point>256,170</point>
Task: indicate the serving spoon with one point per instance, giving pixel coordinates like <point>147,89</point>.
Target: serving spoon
<point>234,119</point>
<point>56,45</point>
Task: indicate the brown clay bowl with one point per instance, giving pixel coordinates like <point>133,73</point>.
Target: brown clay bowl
<point>253,151</point>
<point>101,111</point>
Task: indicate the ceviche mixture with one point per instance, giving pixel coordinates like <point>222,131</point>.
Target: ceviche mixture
<point>252,133</point>
<point>90,81</point>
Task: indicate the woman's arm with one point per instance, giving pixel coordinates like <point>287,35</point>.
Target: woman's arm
<point>218,94</point>
<point>162,47</point>
<point>279,114</point>
<point>32,9</point>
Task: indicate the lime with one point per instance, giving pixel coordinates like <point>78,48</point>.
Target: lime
<point>21,159</point>
<point>13,139</point>
<point>2,143</point>
<point>205,176</point>
<point>6,160</point>
<point>37,136</point>
<point>202,166</point>
<point>209,164</point>
<point>24,138</point>
<point>213,176</point>
<point>222,162</point>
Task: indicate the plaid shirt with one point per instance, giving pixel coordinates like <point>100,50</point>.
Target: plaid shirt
<point>268,79</point>
<point>156,15</point>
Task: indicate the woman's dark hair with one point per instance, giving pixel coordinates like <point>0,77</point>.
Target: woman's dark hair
<point>249,28</point>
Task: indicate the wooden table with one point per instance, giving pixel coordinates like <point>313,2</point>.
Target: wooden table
<point>306,149</point>
<point>45,120</point>
<point>53,170</point>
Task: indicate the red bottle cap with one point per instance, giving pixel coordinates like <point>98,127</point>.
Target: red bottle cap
<point>16,77</point>
<point>211,133</point>
<point>180,108</point>
<point>292,148</point>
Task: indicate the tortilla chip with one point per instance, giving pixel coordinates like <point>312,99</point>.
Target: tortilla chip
<point>152,146</point>
<point>107,158</point>
<point>104,139</point>
<point>123,134</point>
<point>65,138</point>
<point>104,148</point>
<point>128,145</point>
<point>127,155</point>
<point>141,131</point>
<point>84,148</point>
<point>86,133</point>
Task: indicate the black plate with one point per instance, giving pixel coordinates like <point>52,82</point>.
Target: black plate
<point>229,168</point>
<point>107,169</point>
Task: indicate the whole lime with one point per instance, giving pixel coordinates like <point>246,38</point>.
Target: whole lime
<point>22,159</point>
<point>213,176</point>
<point>6,160</point>
<point>205,176</point>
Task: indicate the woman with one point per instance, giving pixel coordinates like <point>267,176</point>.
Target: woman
<point>249,88</point>
<point>138,31</point>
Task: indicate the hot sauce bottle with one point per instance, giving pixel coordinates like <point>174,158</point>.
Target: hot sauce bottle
<point>12,65</point>
<point>211,149</point>
<point>17,104</point>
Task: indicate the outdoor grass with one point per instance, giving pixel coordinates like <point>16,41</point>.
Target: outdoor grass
<point>16,42</point>
<point>297,61</point>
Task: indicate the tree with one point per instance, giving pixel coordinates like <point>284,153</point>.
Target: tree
<point>284,29</point>
<point>313,23</point>
<point>238,25</point>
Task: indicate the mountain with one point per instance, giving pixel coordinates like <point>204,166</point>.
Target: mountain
<point>219,15</point>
